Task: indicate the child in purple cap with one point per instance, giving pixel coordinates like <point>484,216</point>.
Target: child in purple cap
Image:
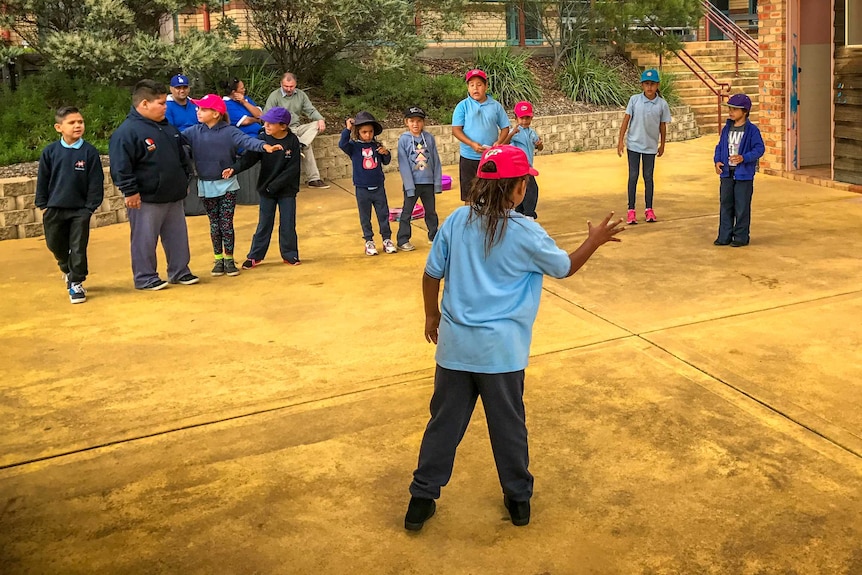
<point>493,260</point>
<point>739,148</point>
<point>277,184</point>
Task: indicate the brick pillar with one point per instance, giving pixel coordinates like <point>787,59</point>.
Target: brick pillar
<point>772,37</point>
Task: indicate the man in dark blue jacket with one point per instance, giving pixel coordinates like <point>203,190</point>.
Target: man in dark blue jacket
<point>150,168</point>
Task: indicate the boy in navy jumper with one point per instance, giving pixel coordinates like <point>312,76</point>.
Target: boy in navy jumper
<point>69,188</point>
<point>368,157</point>
<point>422,174</point>
<point>739,147</point>
<point>277,184</point>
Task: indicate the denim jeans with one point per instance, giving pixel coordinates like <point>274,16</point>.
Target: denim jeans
<point>287,241</point>
<point>634,166</point>
<point>424,192</point>
<point>365,199</point>
<point>734,216</point>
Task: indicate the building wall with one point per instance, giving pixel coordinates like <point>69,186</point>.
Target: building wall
<point>772,36</point>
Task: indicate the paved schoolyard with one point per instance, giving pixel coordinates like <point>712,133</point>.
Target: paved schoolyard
<point>692,409</point>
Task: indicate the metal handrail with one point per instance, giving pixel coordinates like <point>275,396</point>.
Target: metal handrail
<point>719,89</point>
<point>729,28</point>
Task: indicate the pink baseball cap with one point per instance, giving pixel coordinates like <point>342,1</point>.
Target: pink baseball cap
<point>511,162</point>
<point>476,72</point>
<point>523,109</point>
<point>211,102</point>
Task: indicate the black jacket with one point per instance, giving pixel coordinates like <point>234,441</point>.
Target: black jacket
<point>279,171</point>
<point>147,158</point>
<point>70,178</point>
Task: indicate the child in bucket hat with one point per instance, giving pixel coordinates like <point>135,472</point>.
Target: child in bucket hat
<point>739,148</point>
<point>368,157</point>
<point>493,260</point>
<point>277,186</point>
<point>478,122</point>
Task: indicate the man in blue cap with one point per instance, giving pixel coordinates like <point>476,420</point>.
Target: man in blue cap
<point>181,113</point>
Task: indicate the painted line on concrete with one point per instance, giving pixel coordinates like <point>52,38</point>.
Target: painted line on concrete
<point>389,382</point>
<point>789,411</point>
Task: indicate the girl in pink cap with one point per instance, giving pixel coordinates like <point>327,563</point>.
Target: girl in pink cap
<point>215,147</point>
<point>493,260</point>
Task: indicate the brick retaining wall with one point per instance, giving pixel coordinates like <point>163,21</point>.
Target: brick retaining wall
<point>19,217</point>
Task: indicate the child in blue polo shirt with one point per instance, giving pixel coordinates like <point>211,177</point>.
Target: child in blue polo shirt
<point>526,138</point>
<point>493,261</point>
<point>647,115</point>
<point>478,122</point>
<point>739,148</point>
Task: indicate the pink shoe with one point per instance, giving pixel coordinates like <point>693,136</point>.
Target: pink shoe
<point>632,218</point>
<point>650,215</point>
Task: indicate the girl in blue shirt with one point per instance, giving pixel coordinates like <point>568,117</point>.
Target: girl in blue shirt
<point>493,260</point>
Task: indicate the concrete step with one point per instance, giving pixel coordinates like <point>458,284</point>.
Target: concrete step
<point>707,100</point>
<point>724,61</point>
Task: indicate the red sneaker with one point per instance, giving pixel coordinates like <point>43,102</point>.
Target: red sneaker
<point>632,218</point>
<point>649,215</point>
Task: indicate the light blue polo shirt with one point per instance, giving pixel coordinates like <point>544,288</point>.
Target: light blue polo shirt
<point>481,122</point>
<point>526,139</point>
<point>646,116</point>
<point>490,301</point>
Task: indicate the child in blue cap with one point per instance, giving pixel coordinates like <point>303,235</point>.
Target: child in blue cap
<point>739,148</point>
<point>647,115</point>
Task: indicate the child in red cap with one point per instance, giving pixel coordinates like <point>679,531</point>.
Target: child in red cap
<point>215,145</point>
<point>478,122</point>
<point>526,138</point>
<point>493,260</point>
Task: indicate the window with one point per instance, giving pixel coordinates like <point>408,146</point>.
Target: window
<point>853,23</point>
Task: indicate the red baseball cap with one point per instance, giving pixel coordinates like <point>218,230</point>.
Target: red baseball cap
<point>523,109</point>
<point>476,72</point>
<point>511,162</point>
<point>211,102</point>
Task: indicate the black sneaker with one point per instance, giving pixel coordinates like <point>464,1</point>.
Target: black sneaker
<point>419,511</point>
<point>250,263</point>
<point>519,511</point>
<point>318,184</point>
<point>218,268</point>
<point>155,285</point>
<point>736,244</point>
<point>230,267</point>
<point>187,280</point>
<point>720,243</point>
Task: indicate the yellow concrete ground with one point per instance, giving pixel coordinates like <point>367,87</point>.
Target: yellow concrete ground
<point>692,409</point>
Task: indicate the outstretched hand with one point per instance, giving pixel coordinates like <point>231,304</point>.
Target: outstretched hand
<point>605,231</point>
<point>270,149</point>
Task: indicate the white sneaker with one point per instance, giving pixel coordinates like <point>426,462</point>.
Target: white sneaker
<point>370,248</point>
<point>389,247</point>
<point>406,247</point>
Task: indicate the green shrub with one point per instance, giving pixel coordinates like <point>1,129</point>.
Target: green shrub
<point>27,114</point>
<point>586,78</point>
<point>384,91</point>
<point>509,78</point>
<point>667,87</point>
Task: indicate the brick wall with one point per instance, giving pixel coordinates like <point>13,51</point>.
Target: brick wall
<point>772,36</point>
<point>20,218</point>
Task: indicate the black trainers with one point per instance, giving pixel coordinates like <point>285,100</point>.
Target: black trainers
<point>155,285</point>
<point>230,267</point>
<point>218,268</point>
<point>250,263</point>
<point>77,294</point>
<point>318,184</point>
<point>736,244</point>
<point>519,511</point>
<point>419,511</point>
<point>187,280</point>
<point>720,243</point>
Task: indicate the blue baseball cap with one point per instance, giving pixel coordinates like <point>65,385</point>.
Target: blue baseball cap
<point>179,80</point>
<point>650,75</point>
<point>740,101</point>
<point>276,115</point>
